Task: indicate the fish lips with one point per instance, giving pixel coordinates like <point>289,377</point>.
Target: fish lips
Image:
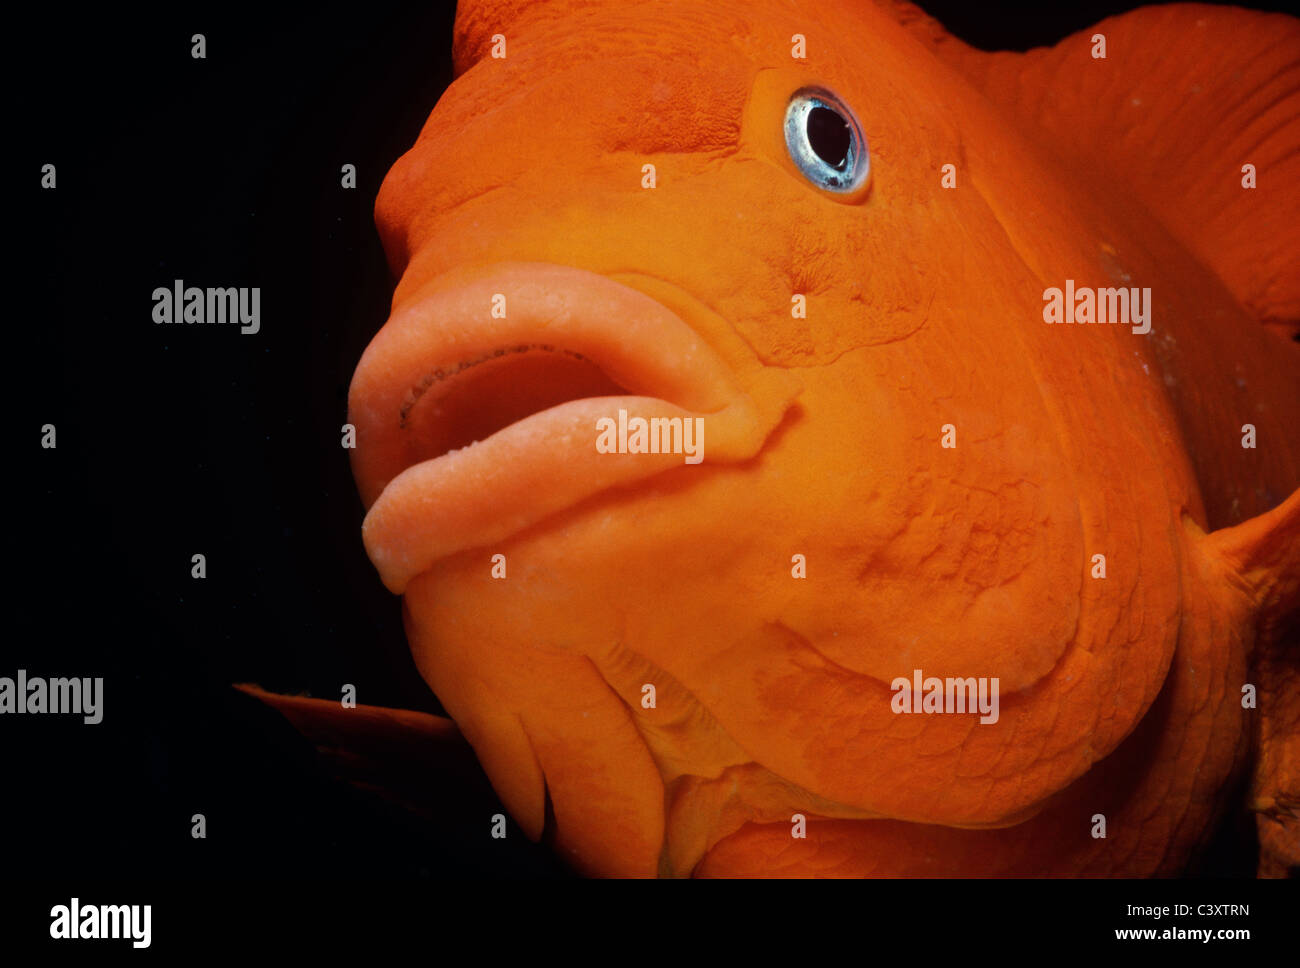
<point>422,507</point>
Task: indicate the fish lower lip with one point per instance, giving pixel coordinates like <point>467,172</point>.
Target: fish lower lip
<point>423,508</point>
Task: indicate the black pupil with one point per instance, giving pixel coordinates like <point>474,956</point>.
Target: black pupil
<point>828,135</point>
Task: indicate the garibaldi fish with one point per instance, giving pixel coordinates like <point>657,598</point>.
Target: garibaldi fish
<point>755,366</point>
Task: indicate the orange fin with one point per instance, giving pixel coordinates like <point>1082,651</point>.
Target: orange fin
<point>1186,96</point>
<point>1263,555</point>
<point>408,757</point>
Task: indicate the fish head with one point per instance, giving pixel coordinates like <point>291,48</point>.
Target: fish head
<point>663,211</point>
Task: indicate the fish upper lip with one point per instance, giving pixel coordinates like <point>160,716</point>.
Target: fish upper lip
<point>421,510</point>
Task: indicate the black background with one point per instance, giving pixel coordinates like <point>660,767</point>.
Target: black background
<point>174,440</point>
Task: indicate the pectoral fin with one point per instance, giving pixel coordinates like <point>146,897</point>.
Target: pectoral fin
<point>1262,558</point>
<point>408,757</point>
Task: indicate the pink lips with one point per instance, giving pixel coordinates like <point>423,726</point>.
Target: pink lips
<point>424,506</point>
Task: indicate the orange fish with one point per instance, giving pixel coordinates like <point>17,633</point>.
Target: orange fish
<point>806,444</point>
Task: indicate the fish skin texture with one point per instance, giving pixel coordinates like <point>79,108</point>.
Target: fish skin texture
<point>1120,697</point>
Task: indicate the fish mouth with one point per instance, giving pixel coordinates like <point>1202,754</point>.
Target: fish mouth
<point>478,407</point>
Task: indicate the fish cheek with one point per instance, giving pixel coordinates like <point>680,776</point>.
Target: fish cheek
<point>540,717</point>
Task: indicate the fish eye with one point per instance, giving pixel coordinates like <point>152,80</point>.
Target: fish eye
<point>825,142</point>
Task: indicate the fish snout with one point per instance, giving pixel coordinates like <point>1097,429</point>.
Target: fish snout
<point>497,396</point>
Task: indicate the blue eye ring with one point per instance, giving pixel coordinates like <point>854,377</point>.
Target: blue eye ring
<point>833,159</point>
